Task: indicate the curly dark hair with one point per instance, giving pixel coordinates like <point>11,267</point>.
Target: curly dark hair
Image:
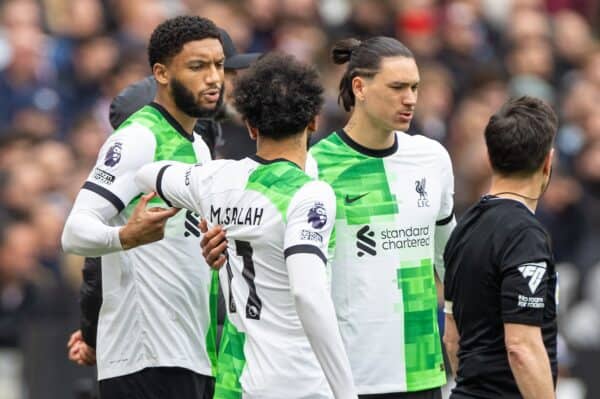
<point>169,37</point>
<point>278,95</point>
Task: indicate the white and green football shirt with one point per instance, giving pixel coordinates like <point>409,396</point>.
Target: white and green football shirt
<point>156,298</point>
<point>389,205</point>
<point>270,210</point>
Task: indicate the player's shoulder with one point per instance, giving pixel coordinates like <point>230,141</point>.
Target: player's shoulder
<point>135,132</point>
<point>221,168</point>
<point>325,144</point>
<point>314,190</point>
<point>423,147</point>
<point>129,146</point>
<point>421,142</point>
<point>511,219</point>
<point>217,176</point>
<point>313,194</point>
<point>317,187</point>
<point>311,167</point>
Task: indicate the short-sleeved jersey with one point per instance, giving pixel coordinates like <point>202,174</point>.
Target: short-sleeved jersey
<point>499,269</point>
<point>155,308</point>
<point>270,210</point>
<point>388,205</point>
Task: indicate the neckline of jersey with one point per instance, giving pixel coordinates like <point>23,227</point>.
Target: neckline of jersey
<point>489,197</point>
<point>368,151</point>
<point>263,161</point>
<point>172,121</point>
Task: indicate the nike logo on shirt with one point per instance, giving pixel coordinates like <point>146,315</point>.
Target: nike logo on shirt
<point>350,200</point>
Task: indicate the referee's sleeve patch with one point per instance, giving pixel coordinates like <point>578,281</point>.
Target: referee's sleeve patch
<point>534,273</point>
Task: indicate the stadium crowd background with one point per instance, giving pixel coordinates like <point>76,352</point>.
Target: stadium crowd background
<point>62,62</point>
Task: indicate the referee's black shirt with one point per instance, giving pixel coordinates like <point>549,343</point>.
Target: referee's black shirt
<point>499,269</point>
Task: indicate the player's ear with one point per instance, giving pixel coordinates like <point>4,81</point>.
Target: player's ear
<point>358,88</point>
<point>160,73</point>
<point>547,166</point>
<point>252,131</point>
<point>312,126</point>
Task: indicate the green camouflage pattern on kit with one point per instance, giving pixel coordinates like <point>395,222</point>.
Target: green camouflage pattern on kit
<point>278,181</point>
<point>230,363</point>
<point>424,359</point>
<point>363,196</point>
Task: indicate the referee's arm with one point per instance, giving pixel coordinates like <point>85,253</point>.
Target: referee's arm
<point>524,298</point>
<point>529,360</point>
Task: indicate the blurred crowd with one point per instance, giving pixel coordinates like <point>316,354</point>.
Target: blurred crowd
<point>62,62</point>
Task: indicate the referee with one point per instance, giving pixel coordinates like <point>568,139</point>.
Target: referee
<point>500,283</point>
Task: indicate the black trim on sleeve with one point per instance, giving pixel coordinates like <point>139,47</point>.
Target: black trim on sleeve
<point>106,194</point>
<point>304,249</point>
<point>159,191</point>
<point>445,220</point>
<point>368,151</point>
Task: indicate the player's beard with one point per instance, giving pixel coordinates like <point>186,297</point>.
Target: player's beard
<point>186,101</point>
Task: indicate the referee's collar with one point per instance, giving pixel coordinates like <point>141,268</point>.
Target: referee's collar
<point>489,197</point>
<point>172,121</point>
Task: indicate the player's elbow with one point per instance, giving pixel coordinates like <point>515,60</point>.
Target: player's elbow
<point>307,305</point>
<point>67,240</point>
<point>144,179</point>
<point>302,299</point>
<point>69,244</point>
<point>74,240</point>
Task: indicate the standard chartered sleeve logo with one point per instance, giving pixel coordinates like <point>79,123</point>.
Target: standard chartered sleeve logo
<point>365,242</point>
<point>391,239</point>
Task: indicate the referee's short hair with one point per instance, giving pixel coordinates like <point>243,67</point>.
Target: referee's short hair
<point>520,135</point>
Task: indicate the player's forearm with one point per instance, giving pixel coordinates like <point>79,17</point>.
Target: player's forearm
<point>531,367</point>
<point>452,352</point>
<point>451,343</point>
<point>318,320</point>
<point>317,315</point>
<point>87,234</point>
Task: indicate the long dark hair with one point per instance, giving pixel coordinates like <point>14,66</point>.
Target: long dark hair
<point>364,59</point>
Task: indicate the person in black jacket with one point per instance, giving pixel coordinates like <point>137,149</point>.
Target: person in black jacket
<point>82,342</point>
